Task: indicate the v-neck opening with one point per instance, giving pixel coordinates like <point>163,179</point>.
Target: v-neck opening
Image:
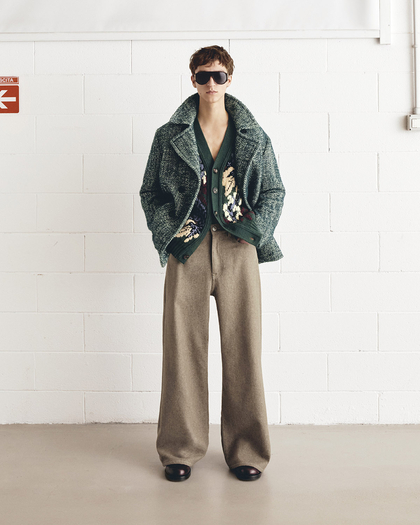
<point>202,142</point>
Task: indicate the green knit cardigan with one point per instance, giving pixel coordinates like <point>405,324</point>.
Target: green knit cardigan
<point>172,177</point>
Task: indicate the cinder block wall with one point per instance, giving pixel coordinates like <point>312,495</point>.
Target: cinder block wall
<point>81,287</point>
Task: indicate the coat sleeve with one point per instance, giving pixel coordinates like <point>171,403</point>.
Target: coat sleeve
<point>269,206</point>
<point>153,199</point>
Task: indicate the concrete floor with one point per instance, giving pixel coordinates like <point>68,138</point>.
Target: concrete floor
<point>101,474</point>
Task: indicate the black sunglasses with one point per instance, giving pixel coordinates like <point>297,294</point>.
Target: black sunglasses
<point>202,77</point>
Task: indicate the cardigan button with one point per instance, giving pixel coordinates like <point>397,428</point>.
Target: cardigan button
<point>215,190</point>
<point>186,256</point>
<point>215,170</point>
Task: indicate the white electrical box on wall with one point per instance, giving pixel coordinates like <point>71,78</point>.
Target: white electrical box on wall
<point>413,122</point>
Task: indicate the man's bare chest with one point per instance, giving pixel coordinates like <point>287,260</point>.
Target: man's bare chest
<point>214,139</point>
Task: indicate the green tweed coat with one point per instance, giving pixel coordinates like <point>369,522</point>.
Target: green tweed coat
<point>172,178</point>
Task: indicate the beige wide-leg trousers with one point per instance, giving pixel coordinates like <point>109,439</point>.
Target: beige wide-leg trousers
<point>227,269</point>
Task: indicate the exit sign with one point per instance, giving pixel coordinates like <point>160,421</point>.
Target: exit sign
<point>9,94</point>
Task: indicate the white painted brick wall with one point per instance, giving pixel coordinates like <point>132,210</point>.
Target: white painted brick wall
<point>81,287</point>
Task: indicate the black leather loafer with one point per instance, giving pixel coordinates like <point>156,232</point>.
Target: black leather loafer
<point>246,473</point>
<point>177,472</point>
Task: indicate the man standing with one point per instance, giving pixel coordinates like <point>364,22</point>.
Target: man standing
<point>212,196</point>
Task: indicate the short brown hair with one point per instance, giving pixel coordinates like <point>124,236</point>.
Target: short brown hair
<point>211,54</point>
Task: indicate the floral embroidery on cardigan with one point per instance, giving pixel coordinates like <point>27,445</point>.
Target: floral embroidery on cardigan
<point>195,223</point>
<point>228,180</point>
<point>233,209</point>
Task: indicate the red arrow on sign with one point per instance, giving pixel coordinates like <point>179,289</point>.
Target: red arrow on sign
<point>4,99</point>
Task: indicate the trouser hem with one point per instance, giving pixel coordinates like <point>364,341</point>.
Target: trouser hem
<point>181,461</point>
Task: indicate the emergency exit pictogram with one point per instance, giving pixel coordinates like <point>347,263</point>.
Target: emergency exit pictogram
<point>9,94</point>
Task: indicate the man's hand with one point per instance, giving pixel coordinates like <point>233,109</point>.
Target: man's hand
<point>241,240</point>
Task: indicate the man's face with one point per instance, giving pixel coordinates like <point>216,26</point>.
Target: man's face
<point>211,92</point>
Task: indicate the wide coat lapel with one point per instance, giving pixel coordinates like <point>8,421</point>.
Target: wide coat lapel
<point>245,149</point>
<point>185,146</point>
